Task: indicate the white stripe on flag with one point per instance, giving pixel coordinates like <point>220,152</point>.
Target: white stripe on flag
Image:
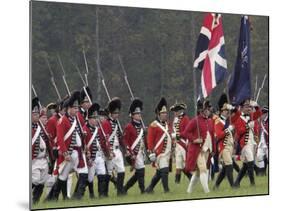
<point>200,58</point>
<point>204,91</point>
<point>206,32</point>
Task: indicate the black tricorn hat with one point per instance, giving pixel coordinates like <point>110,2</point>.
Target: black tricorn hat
<point>245,102</point>
<point>222,102</point>
<point>161,106</point>
<point>93,111</point>
<point>136,106</point>
<point>83,95</point>
<point>73,100</point>
<point>178,106</point>
<point>51,106</point>
<point>35,105</point>
<point>114,105</point>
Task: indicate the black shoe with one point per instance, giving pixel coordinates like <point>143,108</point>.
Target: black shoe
<point>177,178</point>
<point>164,178</point>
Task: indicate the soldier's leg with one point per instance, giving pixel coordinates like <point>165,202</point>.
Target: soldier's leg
<point>193,181</point>
<point>229,174</point>
<point>220,177</point>
<point>109,166</point>
<point>164,178</point>
<point>101,175</point>
<point>140,176</point>
<point>69,184</point>
<point>120,168</point>
<point>250,166</point>
<point>154,181</point>
<point>202,166</point>
<point>81,186</point>
<point>240,175</point>
<point>235,166</point>
<point>131,181</point>
<point>91,175</point>
<point>179,161</point>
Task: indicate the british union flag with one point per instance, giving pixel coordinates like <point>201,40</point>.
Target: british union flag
<point>210,53</point>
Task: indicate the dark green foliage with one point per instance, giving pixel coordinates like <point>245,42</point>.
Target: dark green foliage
<point>157,47</point>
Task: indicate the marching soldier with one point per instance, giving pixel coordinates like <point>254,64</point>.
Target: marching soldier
<point>200,134</point>
<point>224,133</point>
<point>244,127</point>
<point>70,146</point>
<point>134,138</point>
<point>262,151</point>
<point>39,153</point>
<point>97,149</point>
<point>159,145</point>
<point>179,124</point>
<point>84,102</point>
<point>114,137</point>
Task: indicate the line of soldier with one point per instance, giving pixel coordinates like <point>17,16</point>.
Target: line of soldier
<point>84,140</point>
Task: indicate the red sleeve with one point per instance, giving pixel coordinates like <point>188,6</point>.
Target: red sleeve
<point>256,114</point>
<point>235,116</point>
<point>88,135</point>
<point>104,144</point>
<point>81,119</point>
<point>51,127</point>
<point>150,137</point>
<point>219,131</point>
<point>188,131</point>
<point>240,128</point>
<point>184,123</point>
<point>61,131</point>
<point>107,130</point>
<point>213,135</point>
<point>126,137</point>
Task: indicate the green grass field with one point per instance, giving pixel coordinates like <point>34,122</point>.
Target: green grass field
<point>177,192</point>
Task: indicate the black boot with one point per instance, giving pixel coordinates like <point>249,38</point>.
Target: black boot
<point>102,185</point>
<point>131,182</point>
<point>229,174</point>
<point>251,176</point>
<point>188,175</point>
<point>164,179</point>
<point>235,166</point>
<point>91,189</point>
<point>113,179</point>
<point>154,181</point>
<point>177,178</point>
<point>140,176</point>
<point>81,186</point>
<point>37,192</point>
<point>241,174</point>
<point>220,177</point>
<point>120,183</point>
<point>58,186</point>
<point>106,187</point>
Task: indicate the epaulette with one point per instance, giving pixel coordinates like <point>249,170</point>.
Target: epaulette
<point>217,120</point>
<point>153,124</point>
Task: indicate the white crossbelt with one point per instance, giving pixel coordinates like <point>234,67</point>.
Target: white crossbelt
<point>137,140</point>
<point>36,134</point>
<point>68,134</point>
<point>165,134</point>
<point>92,138</point>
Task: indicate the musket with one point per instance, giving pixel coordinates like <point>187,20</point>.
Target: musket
<point>63,76</point>
<point>52,78</point>
<point>35,94</point>
<point>128,84</point>
<point>261,87</point>
<point>105,88</point>
<point>256,86</point>
<point>87,69</point>
<point>80,74</point>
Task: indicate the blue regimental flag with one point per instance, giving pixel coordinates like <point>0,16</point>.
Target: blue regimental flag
<point>240,81</point>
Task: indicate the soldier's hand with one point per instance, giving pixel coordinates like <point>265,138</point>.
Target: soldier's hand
<point>251,124</point>
<point>230,107</point>
<point>198,141</point>
<point>253,103</point>
<point>67,157</point>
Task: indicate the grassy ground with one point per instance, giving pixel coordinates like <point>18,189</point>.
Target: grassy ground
<point>177,192</point>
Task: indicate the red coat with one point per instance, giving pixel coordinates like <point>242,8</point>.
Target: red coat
<point>51,128</point>
<point>183,124</point>
<point>220,129</point>
<point>240,126</point>
<point>106,125</point>
<point>81,118</point>
<point>63,127</point>
<point>129,137</point>
<point>154,135</point>
<point>191,133</point>
<point>103,143</point>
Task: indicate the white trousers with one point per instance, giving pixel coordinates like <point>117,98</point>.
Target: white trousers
<point>116,163</point>
<point>139,163</point>
<point>39,171</point>
<point>180,157</point>
<point>98,168</point>
<point>69,166</point>
<point>247,153</point>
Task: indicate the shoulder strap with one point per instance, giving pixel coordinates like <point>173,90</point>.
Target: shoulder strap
<point>137,140</point>
<point>92,138</point>
<point>67,135</point>
<point>37,133</point>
